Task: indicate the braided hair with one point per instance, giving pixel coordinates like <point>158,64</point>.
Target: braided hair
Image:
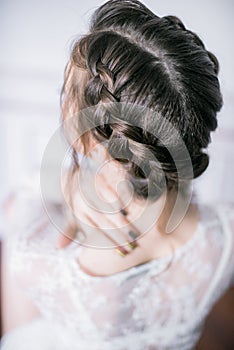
<point>132,56</point>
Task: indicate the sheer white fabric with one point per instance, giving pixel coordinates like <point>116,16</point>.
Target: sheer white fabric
<point>161,304</point>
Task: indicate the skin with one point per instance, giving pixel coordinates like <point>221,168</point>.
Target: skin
<point>18,309</point>
<point>152,244</point>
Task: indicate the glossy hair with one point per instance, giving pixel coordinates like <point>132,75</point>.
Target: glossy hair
<point>130,55</point>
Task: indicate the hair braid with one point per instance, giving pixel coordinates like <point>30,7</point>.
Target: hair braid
<point>133,56</point>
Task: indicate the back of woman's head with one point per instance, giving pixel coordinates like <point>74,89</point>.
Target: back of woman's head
<point>130,55</point>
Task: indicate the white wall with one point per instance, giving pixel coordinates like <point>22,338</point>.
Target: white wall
<point>35,40</point>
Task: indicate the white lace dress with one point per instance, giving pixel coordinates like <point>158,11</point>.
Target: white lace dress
<point>146,307</point>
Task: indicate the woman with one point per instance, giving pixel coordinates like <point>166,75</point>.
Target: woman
<point>140,265</point>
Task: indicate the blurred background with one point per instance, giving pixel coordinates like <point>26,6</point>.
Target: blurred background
<point>35,43</point>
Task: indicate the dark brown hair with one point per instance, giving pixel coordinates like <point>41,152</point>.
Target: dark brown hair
<point>131,55</point>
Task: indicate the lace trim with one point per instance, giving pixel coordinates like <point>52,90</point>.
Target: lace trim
<point>223,261</point>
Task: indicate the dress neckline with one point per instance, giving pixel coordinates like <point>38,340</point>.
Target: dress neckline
<point>160,264</point>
